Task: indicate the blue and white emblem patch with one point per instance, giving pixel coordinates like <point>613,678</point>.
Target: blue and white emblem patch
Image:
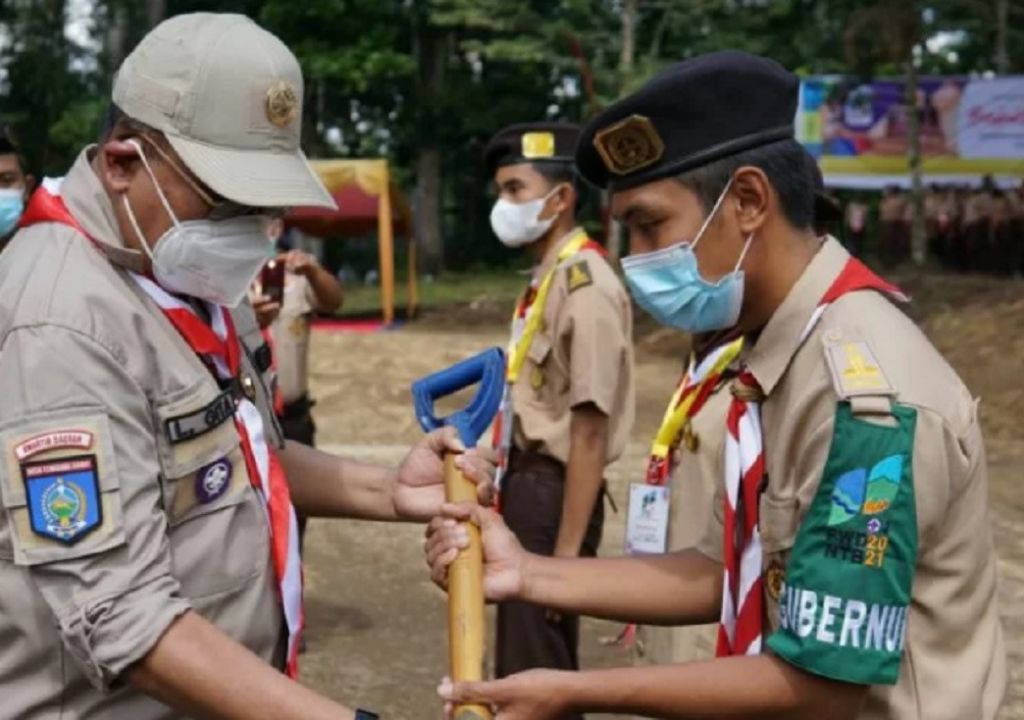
<point>63,497</point>
<point>213,480</point>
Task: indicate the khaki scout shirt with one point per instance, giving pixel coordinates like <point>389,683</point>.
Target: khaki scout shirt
<point>91,369</point>
<point>950,663</point>
<point>693,484</point>
<point>892,208</point>
<point>291,337</point>
<point>977,207</point>
<point>582,353</point>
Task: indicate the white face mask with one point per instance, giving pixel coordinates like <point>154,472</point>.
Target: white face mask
<point>210,260</point>
<point>517,224</point>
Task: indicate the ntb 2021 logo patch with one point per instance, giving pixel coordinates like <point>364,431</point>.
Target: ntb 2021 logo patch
<point>857,530</point>
<point>63,497</point>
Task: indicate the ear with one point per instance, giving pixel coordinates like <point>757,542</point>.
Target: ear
<point>564,199</point>
<point>119,161</point>
<point>755,196</point>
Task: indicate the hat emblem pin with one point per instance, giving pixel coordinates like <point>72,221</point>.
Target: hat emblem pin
<point>629,145</point>
<point>282,103</point>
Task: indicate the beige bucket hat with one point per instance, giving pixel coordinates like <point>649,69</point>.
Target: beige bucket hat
<point>228,96</point>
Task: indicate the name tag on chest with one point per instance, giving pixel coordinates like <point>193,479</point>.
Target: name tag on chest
<point>647,522</point>
<point>192,425</point>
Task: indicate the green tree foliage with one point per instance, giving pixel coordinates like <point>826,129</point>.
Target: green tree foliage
<point>406,78</point>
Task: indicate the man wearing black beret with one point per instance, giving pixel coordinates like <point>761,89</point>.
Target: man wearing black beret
<point>849,560</point>
<point>568,406</point>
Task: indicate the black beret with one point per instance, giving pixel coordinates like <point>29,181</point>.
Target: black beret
<point>690,114</point>
<point>548,142</point>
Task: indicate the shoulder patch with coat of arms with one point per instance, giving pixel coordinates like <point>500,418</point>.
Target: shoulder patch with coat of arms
<point>59,487</point>
<point>63,497</point>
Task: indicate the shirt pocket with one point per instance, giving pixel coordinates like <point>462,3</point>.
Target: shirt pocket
<point>778,523</point>
<point>217,525</point>
<point>201,466</point>
<point>542,373</point>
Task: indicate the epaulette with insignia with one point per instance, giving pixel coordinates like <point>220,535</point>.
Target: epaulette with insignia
<point>578,275</point>
<point>857,376</point>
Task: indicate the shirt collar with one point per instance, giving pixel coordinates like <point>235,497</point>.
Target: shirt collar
<point>91,206</point>
<point>780,339</point>
<point>551,256</point>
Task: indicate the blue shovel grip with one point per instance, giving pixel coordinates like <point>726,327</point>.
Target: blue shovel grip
<point>487,369</point>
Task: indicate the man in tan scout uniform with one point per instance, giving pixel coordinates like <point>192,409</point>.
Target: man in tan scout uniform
<point>892,218</point>
<point>308,288</point>
<point>696,469</point>
<point>147,541</point>
<point>569,407</point>
<point>850,562</point>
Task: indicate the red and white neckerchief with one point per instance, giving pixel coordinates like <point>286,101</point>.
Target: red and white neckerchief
<point>740,629</point>
<point>698,383</point>
<point>268,338</point>
<point>218,345</point>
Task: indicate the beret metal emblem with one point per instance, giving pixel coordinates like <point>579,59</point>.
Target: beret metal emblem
<point>282,104</point>
<point>538,145</point>
<point>629,145</point>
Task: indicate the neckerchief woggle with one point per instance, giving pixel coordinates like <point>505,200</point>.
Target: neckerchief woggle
<point>526,322</point>
<point>218,346</point>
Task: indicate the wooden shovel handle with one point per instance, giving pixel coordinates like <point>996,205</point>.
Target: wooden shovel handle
<point>466,629</point>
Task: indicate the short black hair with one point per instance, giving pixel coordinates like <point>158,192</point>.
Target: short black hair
<point>556,173</point>
<point>560,172</point>
<point>785,164</point>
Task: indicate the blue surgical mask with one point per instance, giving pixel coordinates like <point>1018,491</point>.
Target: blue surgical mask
<point>668,285</point>
<point>12,204</point>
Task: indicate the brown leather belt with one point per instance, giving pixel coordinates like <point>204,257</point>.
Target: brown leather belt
<point>529,461</point>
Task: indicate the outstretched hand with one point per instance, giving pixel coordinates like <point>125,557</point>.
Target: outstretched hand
<point>418,493</point>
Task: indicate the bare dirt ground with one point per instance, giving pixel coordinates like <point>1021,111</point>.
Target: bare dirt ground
<point>377,626</point>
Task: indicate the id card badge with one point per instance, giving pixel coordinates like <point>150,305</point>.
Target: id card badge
<point>647,521</point>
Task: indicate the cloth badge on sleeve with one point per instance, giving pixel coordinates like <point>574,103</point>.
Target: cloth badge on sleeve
<point>845,600</point>
<point>63,497</point>
<point>579,275</point>
<point>58,440</point>
<point>212,480</point>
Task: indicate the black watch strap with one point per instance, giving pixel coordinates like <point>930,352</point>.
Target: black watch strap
<point>366,715</point>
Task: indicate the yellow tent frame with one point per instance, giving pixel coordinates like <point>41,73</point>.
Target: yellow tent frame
<point>373,178</point>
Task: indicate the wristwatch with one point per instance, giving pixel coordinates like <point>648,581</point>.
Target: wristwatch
<point>366,715</point>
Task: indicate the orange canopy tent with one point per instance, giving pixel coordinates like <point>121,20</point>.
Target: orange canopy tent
<point>367,201</point>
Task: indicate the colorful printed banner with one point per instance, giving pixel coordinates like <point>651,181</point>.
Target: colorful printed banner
<point>858,130</point>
